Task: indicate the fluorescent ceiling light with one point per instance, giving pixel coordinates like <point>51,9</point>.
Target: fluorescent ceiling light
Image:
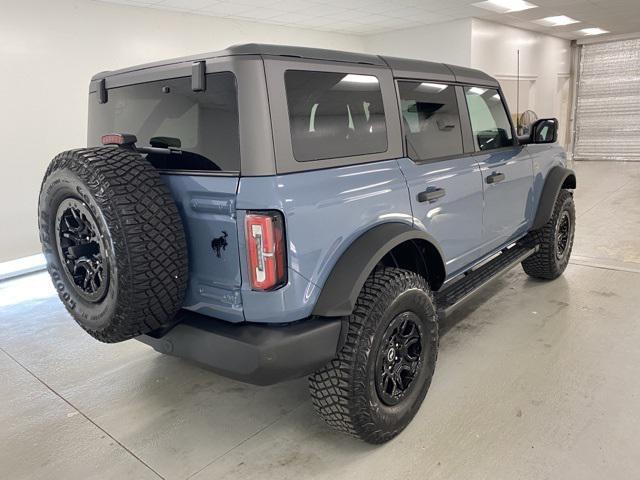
<point>593,31</point>
<point>477,90</point>
<point>353,78</point>
<point>505,6</point>
<point>557,21</point>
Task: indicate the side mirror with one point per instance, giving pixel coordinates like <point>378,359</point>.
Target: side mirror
<point>544,130</point>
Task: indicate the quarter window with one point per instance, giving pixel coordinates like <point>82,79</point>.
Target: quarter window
<point>431,120</point>
<point>334,115</point>
<point>489,120</point>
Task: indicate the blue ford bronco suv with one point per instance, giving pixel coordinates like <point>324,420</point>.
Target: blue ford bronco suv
<point>273,212</point>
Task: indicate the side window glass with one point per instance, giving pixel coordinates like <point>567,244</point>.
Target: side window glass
<point>334,115</point>
<point>430,118</point>
<point>489,120</point>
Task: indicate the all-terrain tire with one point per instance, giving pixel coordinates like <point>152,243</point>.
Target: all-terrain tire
<point>114,242</point>
<point>345,392</point>
<point>549,262</point>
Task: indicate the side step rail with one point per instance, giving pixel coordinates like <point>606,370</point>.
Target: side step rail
<point>453,295</point>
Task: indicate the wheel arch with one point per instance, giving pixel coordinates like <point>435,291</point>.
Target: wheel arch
<point>392,244</point>
<point>557,179</point>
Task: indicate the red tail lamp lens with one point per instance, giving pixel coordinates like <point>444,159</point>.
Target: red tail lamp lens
<point>266,250</point>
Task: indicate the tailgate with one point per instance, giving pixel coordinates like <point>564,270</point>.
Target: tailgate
<point>207,205</point>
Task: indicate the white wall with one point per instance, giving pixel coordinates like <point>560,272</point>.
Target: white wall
<point>48,52</point>
<point>448,42</point>
<point>545,61</point>
<point>542,58</point>
<point>490,47</point>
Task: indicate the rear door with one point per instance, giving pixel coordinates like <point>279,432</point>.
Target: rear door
<point>442,173</point>
<point>507,168</point>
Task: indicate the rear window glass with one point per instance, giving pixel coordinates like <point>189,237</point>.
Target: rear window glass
<point>334,115</point>
<point>201,126</point>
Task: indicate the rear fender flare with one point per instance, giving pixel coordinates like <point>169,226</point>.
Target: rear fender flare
<point>342,287</point>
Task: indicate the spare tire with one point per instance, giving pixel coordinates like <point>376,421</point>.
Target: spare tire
<point>114,242</point>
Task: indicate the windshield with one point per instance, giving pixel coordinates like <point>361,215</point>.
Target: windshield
<point>201,127</point>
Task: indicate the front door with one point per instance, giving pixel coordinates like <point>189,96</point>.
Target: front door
<point>507,168</point>
<point>445,184</point>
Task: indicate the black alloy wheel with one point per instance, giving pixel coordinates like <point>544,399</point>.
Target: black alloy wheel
<point>400,357</point>
<point>82,250</point>
<point>563,235</point>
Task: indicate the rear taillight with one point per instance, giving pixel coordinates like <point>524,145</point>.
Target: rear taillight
<point>266,250</point>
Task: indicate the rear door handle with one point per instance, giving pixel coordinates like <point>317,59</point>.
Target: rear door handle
<point>431,195</point>
<point>495,177</point>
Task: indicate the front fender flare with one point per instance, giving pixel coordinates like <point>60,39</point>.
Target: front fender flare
<point>342,287</point>
<point>556,178</point>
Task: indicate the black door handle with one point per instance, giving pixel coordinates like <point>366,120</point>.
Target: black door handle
<point>431,195</point>
<point>495,177</point>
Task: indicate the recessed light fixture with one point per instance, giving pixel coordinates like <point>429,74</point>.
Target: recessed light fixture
<point>505,6</point>
<point>557,21</point>
<point>593,31</point>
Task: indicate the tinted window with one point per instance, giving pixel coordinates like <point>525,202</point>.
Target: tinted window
<point>168,113</point>
<point>431,120</point>
<point>334,114</point>
<point>489,120</point>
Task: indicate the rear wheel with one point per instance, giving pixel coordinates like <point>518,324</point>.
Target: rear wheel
<point>113,241</point>
<point>555,241</point>
<point>376,384</point>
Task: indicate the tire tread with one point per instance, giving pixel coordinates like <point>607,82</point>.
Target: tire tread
<point>147,234</point>
<point>338,389</point>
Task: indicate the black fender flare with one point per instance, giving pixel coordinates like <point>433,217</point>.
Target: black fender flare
<point>343,285</point>
<point>556,178</point>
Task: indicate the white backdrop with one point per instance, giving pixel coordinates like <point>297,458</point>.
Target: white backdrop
<point>48,52</point>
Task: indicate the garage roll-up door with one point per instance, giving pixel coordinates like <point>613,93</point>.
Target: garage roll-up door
<point>608,102</point>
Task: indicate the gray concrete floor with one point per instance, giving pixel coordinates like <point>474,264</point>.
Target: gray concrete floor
<point>534,380</point>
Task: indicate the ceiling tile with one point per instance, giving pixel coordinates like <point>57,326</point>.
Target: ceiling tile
<point>291,17</point>
<point>186,4</point>
<point>361,17</point>
<point>290,5</point>
<point>225,9</point>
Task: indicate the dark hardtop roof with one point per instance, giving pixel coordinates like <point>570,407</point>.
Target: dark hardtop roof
<point>401,67</point>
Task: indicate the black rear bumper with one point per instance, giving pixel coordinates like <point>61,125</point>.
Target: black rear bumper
<point>253,353</point>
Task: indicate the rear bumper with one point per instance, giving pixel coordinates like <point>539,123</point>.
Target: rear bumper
<point>257,354</point>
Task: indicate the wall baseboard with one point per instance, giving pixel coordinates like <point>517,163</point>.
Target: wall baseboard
<point>22,266</point>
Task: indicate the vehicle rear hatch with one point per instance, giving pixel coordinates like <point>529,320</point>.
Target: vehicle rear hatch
<point>197,151</point>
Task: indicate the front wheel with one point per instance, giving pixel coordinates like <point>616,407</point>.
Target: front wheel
<point>555,241</point>
<point>377,382</point>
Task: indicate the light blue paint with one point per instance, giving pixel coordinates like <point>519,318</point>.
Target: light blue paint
<point>326,210</point>
<point>207,207</point>
<point>455,220</point>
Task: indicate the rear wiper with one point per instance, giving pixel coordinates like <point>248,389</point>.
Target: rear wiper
<point>128,141</point>
<point>159,150</point>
